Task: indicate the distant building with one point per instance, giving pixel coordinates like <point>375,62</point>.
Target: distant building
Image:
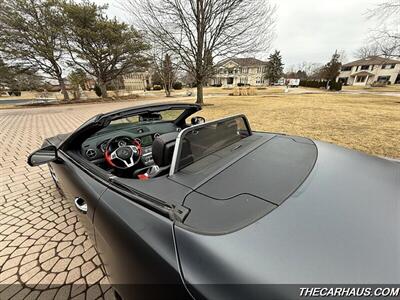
<point>369,70</point>
<point>89,84</point>
<point>133,81</point>
<point>137,80</point>
<point>234,71</point>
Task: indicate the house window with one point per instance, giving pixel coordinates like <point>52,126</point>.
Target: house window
<point>344,69</point>
<point>383,78</point>
<point>361,78</point>
<point>391,66</point>
<point>365,67</point>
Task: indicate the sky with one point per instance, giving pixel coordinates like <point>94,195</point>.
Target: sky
<point>309,30</point>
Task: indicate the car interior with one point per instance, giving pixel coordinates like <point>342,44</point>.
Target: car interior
<point>142,146</point>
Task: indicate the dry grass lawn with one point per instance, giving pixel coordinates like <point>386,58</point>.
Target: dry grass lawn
<point>388,88</point>
<point>367,123</point>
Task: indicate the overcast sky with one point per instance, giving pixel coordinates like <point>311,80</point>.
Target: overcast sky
<point>310,30</point>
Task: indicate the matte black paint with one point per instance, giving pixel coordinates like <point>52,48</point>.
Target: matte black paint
<point>341,225</point>
<point>137,248</point>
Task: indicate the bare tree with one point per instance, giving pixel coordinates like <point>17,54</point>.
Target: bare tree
<point>198,32</point>
<point>387,36</point>
<point>164,68</point>
<point>367,50</point>
<point>309,68</point>
<point>384,10</point>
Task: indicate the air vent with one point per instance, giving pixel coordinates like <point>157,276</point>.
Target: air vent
<point>91,153</point>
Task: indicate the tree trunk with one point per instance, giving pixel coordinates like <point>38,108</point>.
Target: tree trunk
<point>167,89</point>
<point>199,99</point>
<point>103,88</point>
<point>63,88</point>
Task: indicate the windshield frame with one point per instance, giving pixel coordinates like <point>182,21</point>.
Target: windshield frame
<point>178,143</point>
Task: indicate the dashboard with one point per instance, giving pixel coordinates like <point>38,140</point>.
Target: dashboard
<point>94,147</point>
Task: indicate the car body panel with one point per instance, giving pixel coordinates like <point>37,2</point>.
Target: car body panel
<point>271,172</point>
<point>332,216</point>
<point>342,226</point>
<point>137,248</point>
<point>75,183</point>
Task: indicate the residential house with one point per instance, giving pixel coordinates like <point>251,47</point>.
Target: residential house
<point>136,80</point>
<point>133,81</point>
<point>369,70</point>
<point>234,71</point>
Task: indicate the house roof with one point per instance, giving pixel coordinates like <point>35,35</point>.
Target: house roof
<point>362,73</point>
<point>372,60</point>
<point>244,62</point>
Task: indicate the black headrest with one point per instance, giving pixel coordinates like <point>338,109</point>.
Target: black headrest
<point>163,148</point>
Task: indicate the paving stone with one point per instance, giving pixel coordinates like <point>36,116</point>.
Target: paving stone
<point>60,278</point>
<point>21,294</point>
<point>7,274</point>
<point>77,261</point>
<point>63,293</point>
<point>41,238</point>
<point>11,263</point>
<point>73,275</point>
<point>10,291</point>
<point>87,267</point>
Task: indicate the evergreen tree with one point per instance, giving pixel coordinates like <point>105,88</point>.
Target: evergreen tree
<point>274,70</point>
<point>104,48</point>
<point>31,35</point>
<point>168,74</point>
<point>77,79</point>
<point>332,69</point>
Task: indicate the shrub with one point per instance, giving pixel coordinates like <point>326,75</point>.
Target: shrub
<point>148,88</point>
<point>313,83</point>
<point>97,90</point>
<point>335,86</point>
<point>157,88</point>
<point>177,85</point>
<point>15,93</point>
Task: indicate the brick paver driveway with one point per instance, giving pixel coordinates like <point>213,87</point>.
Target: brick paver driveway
<point>42,243</point>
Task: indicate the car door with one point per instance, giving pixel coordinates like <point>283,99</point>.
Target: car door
<point>136,245</point>
<point>80,188</point>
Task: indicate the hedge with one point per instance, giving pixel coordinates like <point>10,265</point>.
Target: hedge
<point>177,85</point>
<point>334,86</point>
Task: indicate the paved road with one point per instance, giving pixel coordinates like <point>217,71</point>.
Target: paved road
<point>42,243</point>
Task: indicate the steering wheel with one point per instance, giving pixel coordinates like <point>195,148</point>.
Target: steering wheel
<point>123,152</point>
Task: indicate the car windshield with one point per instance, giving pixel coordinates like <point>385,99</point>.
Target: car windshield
<point>143,118</point>
<point>200,141</point>
<point>149,117</point>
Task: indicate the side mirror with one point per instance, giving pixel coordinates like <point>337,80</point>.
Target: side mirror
<point>197,120</point>
<point>42,156</point>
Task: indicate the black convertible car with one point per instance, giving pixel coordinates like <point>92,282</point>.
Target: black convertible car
<point>182,208</point>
